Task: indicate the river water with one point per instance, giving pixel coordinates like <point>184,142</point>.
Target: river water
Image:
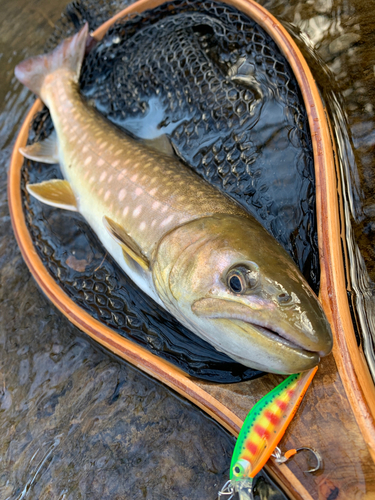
<point>75,422</point>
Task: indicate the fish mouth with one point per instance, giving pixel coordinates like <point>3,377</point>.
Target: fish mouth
<point>264,349</point>
<point>277,336</point>
<point>254,342</point>
<point>230,310</point>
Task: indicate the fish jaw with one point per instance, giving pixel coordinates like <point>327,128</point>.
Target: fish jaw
<point>255,328</point>
<point>257,347</point>
<point>290,326</point>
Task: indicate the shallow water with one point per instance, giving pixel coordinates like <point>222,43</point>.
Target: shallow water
<point>77,423</point>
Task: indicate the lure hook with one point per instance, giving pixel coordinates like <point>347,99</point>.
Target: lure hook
<point>227,489</point>
<point>280,458</point>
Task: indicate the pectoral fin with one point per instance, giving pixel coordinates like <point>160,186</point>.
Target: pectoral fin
<point>128,245</point>
<point>56,193</point>
<point>44,151</point>
<point>161,144</point>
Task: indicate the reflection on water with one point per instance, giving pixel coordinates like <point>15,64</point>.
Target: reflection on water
<point>74,422</point>
<point>338,41</point>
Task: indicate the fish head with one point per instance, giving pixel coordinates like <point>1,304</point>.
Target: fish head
<point>228,280</point>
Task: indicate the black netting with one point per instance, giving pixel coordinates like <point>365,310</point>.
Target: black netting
<point>215,82</point>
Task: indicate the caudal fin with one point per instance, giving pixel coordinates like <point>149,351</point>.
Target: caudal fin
<point>68,55</point>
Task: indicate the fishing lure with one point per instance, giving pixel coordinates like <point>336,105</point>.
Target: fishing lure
<point>262,430</point>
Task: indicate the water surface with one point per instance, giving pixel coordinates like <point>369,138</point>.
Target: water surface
<point>74,421</point>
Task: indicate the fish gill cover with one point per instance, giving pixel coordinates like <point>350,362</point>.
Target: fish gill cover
<point>216,83</point>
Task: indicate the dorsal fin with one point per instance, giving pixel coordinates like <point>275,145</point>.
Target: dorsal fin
<point>44,151</point>
<point>56,193</point>
<point>127,243</point>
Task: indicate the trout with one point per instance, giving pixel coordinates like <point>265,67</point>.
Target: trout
<point>191,248</point>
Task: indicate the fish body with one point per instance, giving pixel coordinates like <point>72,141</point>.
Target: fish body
<point>146,192</point>
<point>191,248</point>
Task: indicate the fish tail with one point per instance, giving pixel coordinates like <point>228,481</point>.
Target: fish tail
<point>67,55</point>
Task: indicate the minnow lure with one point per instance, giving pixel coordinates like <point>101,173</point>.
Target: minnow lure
<point>262,430</point>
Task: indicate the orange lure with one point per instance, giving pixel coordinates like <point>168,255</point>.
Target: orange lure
<point>261,432</point>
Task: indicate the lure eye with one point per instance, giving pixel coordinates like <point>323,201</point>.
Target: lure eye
<point>242,278</point>
<point>241,468</point>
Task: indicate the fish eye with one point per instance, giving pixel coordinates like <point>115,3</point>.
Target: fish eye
<point>242,278</point>
<point>235,284</point>
<point>236,280</point>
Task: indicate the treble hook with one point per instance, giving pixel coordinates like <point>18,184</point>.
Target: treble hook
<point>227,489</point>
<point>280,459</point>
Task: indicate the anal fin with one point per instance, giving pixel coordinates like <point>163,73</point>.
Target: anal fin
<point>129,246</point>
<point>45,151</point>
<point>56,193</point>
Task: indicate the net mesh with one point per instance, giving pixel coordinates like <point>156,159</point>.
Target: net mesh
<point>211,79</point>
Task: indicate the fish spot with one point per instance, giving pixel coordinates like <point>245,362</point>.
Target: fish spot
<point>100,192</point>
<point>110,178</point>
<point>103,176</point>
<point>100,162</point>
<point>137,211</point>
<point>88,160</point>
<point>122,194</point>
<point>86,174</point>
<point>107,195</point>
<point>115,163</point>
<point>134,177</point>
<point>143,178</point>
<point>153,191</point>
<point>155,205</point>
<point>103,144</point>
<point>118,152</point>
<point>166,221</point>
<point>165,208</point>
<point>142,226</point>
<point>153,180</point>
<point>153,223</point>
<point>92,178</point>
<point>125,211</point>
<point>138,191</point>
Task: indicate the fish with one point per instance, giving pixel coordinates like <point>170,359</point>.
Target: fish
<point>191,248</point>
